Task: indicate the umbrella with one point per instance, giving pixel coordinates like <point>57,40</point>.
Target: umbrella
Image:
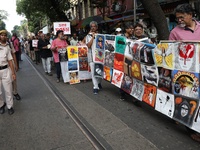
<point>98,19</point>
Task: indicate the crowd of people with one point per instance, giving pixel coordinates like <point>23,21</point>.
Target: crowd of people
<point>46,49</point>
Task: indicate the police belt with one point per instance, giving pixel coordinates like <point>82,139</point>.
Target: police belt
<point>3,67</point>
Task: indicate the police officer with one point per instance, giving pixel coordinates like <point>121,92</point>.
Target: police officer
<point>6,75</point>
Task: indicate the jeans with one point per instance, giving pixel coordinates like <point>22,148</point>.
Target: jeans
<point>46,62</point>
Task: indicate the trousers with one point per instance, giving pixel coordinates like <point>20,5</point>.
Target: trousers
<point>46,62</point>
<point>95,80</point>
<point>6,83</point>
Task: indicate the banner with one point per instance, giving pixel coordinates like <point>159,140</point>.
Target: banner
<point>64,26</point>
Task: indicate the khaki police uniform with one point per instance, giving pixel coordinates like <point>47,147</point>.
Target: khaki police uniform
<point>5,76</point>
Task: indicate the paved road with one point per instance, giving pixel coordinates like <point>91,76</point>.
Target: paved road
<point>115,124</point>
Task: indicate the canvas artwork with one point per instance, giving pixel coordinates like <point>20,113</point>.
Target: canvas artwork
<point>149,95</point>
<point>150,74</point>
<point>165,80</point>
<point>118,62</point>
<point>163,54</point>
<point>117,77</point>
<point>100,41</point>
<point>108,73</point>
<point>73,77</point>
<point>63,55</point>
<point>83,63</point>
<point>98,70</point>
<point>185,110</point>
<point>73,65</point>
<point>187,57</point>
<point>99,56</point>
<point>109,58</point>
<point>136,70</point>
<point>82,51</point>
<point>127,84</point>
<point>146,54</point>
<point>120,44</point>
<point>138,89</point>
<point>185,83</point>
<point>110,43</point>
<point>165,103</point>
<point>72,52</point>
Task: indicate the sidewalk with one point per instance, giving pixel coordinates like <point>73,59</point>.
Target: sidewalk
<point>104,125</point>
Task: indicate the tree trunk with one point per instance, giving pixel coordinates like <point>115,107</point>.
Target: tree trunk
<point>158,17</point>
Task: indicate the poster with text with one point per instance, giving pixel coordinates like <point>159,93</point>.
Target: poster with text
<point>187,57</point>
<point>149,95</point>
<point>165,103</point>
<point>64,26</point>
<point>163,55</point>
<point>120,44</point>
<point>73,77</point>
<point>118,62</point>
<point>72,52</point>
<point>98,70</point>
<point>185,110</point>
<point>108,72</point>
<point>150,74</point>
<point>185,83</point>
<point>138,89</point>
<point>165,80</point>
<point>127,84</point>
<point>34,43</point>
<point>117,78</point>
<point>146,54</point>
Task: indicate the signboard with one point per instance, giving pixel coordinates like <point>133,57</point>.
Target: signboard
<point>64,26</point>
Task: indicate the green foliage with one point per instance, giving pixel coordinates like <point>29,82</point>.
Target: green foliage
<point>2,25</point>
<point>3,15</point>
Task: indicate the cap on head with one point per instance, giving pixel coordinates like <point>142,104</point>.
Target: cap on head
<point>118,30</point>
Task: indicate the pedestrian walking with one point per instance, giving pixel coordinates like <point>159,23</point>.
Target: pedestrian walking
<point>16,43</point>
<point>187,29</point>
<point>6,75</point>
<point>58,45</point>
<point>46,54</point>
<point>90,44</point>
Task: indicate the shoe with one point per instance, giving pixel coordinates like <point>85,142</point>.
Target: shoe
<point>50,74</point>
<point>99,85</point>
<point>17,96</point>
<point>58,80</point>
<point>95,91</point>
<point>2,109</point>
<point>11,111</point>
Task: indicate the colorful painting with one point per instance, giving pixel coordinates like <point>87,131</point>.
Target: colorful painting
<point>82,51</point>
<point>83,63</point>
<point>117,77</point>
<point>108,73</point>
<point>138,89</point>
<point>127,84</point>
<point>100,41</point>
<point>165,80</point>
<point>150,74</point>
<point>73,65</point>
<point>73,77</point>
<point>136,70</point>
<point>187,58</point>
<point>120,44</point>
<point>149,95</point>
<point>185,110</point>
<point>185,83</point>
<point>118,62</point>
<point>109,58</point>
<point>165,103</point>
<point>72,52</point>
<point>99,56</point>
<point>164,55</point>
